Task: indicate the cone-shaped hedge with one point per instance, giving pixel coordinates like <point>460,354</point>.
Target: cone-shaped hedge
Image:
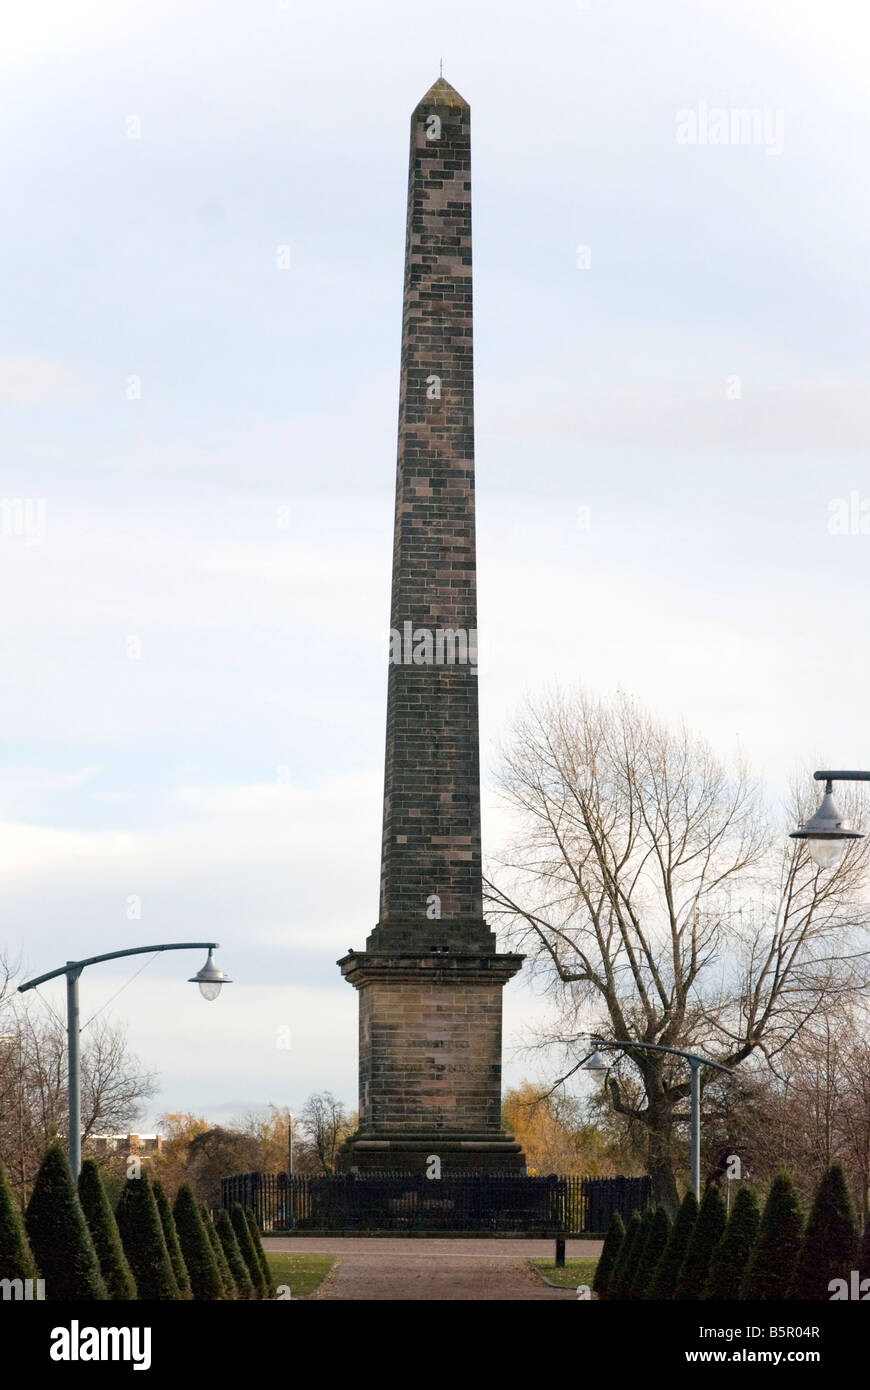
<point>249,1254</point>
<point>830,1243</point>
<point>205,1276</point>
<point>616,1283</point>
<point>258,1246</point>
<point>59,1235</point>
<point>144,1242</point>
<point>629,1269</point>
<point>235,1258</point>
<point>654,1246</point>
<point>609,1255</point>
<point>771,1265</point>
<point>664,1280</point>
<point>863,1258</point>
<point>231,1288</point>
<point>114,1266</point>
<point>709,1229</point>
<point>731,1255</point>
<point>170,1235</point>
<point>16,1259</point>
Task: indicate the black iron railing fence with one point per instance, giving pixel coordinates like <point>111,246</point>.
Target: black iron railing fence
<point>412,1202</point>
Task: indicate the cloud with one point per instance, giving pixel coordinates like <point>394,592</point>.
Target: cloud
<point>27,381</point>
<point>256,862</point>
<point>735,409</point>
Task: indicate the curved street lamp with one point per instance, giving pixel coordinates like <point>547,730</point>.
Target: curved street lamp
<point>209,979</point>
<point>596,1063</point>
<point>827,831</point>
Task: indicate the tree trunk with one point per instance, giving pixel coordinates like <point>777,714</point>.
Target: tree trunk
<point>660,1156</point>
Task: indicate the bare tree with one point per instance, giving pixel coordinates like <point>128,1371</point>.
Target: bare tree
<point>33,1083</point>
<point>854,1122</point>
<point>809,1106</point>
<point>325,1124</point>
<point>656,904</point>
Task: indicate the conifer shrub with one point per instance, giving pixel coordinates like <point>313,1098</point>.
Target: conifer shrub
<point>231,1288</point>
<point>59,1236</point>
<point>202,1266</point>
<point>862,1259</point>
<point>653,1249</point>
<point>144,1242</point>
<point>708,1231</point>
<point>249,1254</point>
<point>114,1266</point>
<point>170,1235</point>
<point>609,1255</point>
<point>235,1259</point>
<point>258,1246</point>
<point>664,1280</point>
<point>830,1245</point>
<point>772,1263</point>
<point>630,1268</point>
<point>731,1255</point>
<point>16,1257</point>
<point>616,1283</point>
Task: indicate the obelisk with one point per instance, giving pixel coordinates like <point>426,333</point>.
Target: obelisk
<point>431,979</point>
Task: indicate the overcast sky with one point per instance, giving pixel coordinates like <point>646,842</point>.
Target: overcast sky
<point>671,344</point>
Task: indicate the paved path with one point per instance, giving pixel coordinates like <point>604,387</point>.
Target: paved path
<point>400,1269</point>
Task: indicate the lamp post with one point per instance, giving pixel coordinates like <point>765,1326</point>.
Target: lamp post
<point>826,832</point>
<point>209,979</point>
<point>291,1204</point>
<point>595,1063</point>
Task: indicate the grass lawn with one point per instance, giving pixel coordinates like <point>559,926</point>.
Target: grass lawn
<point>303,1273</point>
<point>575,1272</point>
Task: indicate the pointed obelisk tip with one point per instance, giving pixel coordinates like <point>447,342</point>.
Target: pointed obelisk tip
<point>442,94</point>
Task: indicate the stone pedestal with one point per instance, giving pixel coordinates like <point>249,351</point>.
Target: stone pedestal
<point>430,1061</point>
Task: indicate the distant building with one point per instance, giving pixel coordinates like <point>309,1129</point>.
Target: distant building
<point>140,1144</point>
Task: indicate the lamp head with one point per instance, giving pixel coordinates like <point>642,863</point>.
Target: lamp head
<point>210,978</point>
<point>595,1063</point>
<point>826,832</point>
